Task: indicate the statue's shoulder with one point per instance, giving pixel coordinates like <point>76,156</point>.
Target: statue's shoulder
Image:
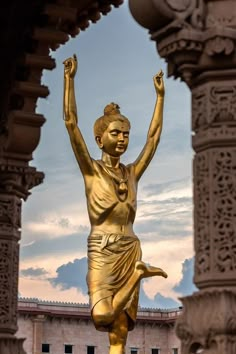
<point>98,166</point>
<point>129,167</point>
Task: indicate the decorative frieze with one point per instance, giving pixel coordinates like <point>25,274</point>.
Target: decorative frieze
<point>214,216</point>
<point>213,104</point>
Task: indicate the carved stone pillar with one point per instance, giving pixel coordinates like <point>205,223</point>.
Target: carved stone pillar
<point>14,184</point>
<point>198,40</point>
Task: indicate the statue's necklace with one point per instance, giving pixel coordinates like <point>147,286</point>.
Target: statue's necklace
<point>122,187</point>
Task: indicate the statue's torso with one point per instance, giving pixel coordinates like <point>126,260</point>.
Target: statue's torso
<point>110,211</point>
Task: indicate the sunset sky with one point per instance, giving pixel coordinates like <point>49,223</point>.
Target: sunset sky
<point>117,61</point>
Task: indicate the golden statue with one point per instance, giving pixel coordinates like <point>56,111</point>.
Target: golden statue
<point>114,254</point>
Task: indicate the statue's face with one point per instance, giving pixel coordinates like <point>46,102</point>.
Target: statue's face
<point>115,138</point>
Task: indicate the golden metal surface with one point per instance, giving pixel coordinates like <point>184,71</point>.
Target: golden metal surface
<point>114,254</point>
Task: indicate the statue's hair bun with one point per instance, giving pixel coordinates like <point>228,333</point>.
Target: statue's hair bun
<point>111,109</point>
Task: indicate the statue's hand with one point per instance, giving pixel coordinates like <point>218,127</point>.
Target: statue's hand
<point>159,84</point>
<point>70,66</point>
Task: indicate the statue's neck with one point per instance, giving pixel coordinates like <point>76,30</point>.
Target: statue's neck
<point>110,161</point>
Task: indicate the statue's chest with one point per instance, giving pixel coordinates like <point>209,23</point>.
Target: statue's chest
<point>111,187</point>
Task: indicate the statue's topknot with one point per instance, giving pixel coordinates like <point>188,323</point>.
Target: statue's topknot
<point>111,109</point>
<point>111,114</point>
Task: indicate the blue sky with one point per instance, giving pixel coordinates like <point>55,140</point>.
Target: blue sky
<point>116,64</point>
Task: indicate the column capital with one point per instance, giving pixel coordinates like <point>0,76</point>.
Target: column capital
<point>193,36</point>
<point>17,179</point>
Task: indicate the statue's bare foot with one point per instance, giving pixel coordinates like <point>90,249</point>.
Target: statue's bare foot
<point>149,271</point>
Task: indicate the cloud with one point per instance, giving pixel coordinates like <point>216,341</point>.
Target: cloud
<point>165,302</point>
<point>33,272</point>
<point>55,246</point>
<point>72,275</point>
<point>43,290</point>
<point>165,210</point>
<point>159,301</point>
<point>186,285</point>
<point>170,186</point>
<point>69,284</point>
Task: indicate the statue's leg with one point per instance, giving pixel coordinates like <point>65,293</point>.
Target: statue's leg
<point>141,270</point>
<point>118,334</point>
<point>107,310</point>
<point>103,314</point>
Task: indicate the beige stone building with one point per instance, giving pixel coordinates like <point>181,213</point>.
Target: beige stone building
<point>66,328</point>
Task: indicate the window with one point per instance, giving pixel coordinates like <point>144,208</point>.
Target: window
<point>175,351</point>
<point>155,351</point>
<point>133,350</point>
<point>90,349</point>
<point>68,349</point>
<point>45,348</point>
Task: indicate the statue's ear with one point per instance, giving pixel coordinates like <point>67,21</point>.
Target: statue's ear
<point>99,142</point>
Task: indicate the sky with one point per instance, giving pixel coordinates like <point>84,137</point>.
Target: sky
<point>117,62</point>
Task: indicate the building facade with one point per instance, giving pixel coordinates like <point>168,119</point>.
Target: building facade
<point>66,328</point>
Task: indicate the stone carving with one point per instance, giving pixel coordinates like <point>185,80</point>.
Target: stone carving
<point>10,209</point>
<point>18,179</point>
<point>219,45</point>
<point>221,19</point>
<point>223,103</point>
<point>168,15</point>
<point>215,212</point>
<point>201,213</point>
<point>180,5</point>
<point>191,11</point>
<point>213,103</point>
<point>224,210</point>
<point>8,280</point>
<point>10,223</point>
<point>214,136</point>
<point>10,216</point>
<point>199,108</point>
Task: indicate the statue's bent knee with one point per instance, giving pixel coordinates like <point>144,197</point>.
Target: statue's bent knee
<point>103,318</point>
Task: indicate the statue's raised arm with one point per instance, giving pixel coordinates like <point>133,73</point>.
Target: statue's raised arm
<point>71,118</point>
<point>155,128</point>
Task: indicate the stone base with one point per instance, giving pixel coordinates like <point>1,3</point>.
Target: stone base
<point>208,322</point>
<point>11,345</point>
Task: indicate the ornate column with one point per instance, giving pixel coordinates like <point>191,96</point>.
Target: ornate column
<point>13,182</point>
<point>198,40</point>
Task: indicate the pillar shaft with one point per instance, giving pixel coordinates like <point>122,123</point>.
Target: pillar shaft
<point>10,216</point>
<point>214,172</point>
<point>198,40</point>
<point>15,180</point>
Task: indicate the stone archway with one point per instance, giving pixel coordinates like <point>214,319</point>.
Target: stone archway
<point>29,31</point>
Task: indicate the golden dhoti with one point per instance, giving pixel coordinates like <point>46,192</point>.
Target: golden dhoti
<point>111,261</point>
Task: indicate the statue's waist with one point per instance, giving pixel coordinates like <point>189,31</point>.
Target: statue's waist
<point>106,239</point>
<point>107,228</point>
